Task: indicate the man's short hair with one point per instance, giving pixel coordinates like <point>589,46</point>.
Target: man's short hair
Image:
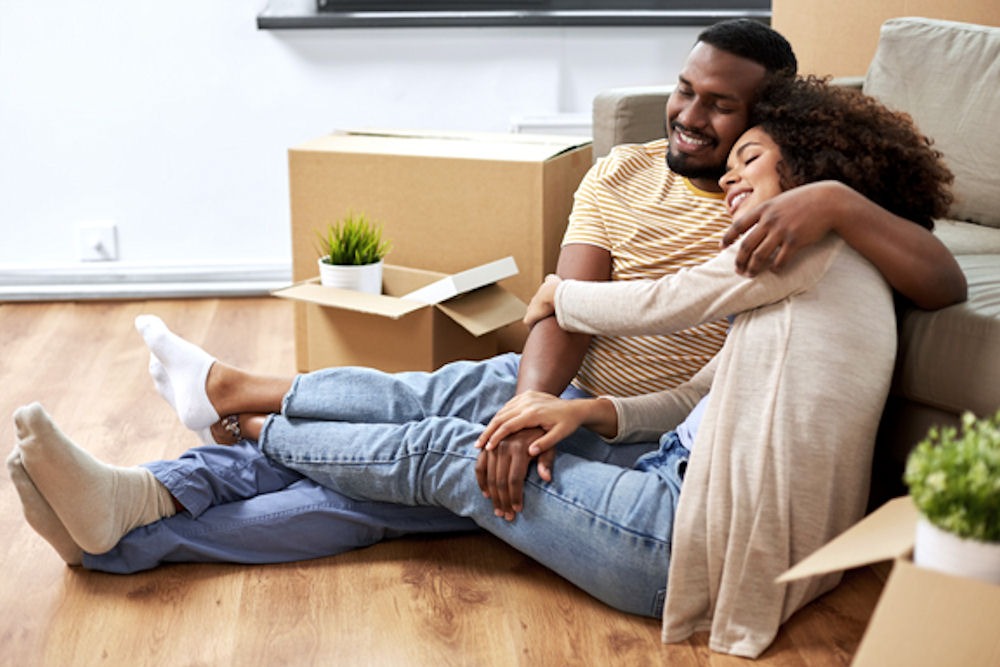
<point>754,41</point>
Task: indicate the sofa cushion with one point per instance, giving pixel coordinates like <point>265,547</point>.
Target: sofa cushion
<point>948,358</point>
<point>967,238</point>
<point>946,75</point>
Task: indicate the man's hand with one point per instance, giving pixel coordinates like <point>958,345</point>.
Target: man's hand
<point>529,425</point>
<point>779,227</point>
<point>500,471</point>
<point>914,261</point>
<point>550,359</point>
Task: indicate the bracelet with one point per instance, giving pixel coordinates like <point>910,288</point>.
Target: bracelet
<point>232,426</point>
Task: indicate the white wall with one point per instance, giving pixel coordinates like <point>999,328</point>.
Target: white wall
<point>172,119</point>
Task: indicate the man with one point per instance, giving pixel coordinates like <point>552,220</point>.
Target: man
<point>705,114</point>
<point>643,211</point>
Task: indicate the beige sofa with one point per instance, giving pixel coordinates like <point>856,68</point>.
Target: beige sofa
<point>946,75</point>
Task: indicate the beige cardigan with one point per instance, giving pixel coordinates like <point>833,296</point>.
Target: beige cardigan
<point>781,460</point>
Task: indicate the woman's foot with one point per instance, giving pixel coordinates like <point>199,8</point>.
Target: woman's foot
<point>97,503</point>
<point>180,372</point>
<point>40,514</point>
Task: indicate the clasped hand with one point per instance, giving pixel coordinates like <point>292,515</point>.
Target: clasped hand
<point>529,426</point>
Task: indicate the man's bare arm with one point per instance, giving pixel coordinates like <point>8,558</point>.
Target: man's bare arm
<point>550,360</point>
<point>551,356</point>
<point>913,260</point>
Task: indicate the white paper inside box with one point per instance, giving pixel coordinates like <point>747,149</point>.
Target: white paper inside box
<point>923,618</point>
<point>457,319</point>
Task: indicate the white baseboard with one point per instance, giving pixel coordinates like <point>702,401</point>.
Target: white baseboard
<point>573,124</point>
<point>152,280</point>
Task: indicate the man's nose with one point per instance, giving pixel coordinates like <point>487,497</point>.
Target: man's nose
<point>693,115</point>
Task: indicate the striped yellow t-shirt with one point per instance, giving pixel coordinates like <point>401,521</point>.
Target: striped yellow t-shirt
<point>653,222</point>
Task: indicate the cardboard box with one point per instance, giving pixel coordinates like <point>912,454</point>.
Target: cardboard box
<point>446,200</point>
<point>923,618</point>
<point>453,317</point>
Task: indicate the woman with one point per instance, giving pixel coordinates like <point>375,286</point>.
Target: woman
<point>797,392</point>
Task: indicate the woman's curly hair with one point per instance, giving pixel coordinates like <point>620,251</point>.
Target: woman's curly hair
<point>832,132</point>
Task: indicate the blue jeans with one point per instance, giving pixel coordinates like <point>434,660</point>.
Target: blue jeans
<point>244,508</point>
<point>605,528</point>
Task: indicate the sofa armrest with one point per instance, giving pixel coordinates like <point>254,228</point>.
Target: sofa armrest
<point>628,115</point>
<point>856,82</point>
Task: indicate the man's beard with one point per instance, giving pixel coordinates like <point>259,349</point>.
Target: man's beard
<point>679,165</point>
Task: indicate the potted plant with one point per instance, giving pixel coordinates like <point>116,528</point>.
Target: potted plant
<point>351,252</point>
<point>954,480</point>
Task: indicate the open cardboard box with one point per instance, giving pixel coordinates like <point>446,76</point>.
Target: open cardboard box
<point>923,618</point>
<point>423,319</point>
<point>446,201</point>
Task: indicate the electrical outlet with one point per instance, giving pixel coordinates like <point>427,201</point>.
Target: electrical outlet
<point>97,242</point>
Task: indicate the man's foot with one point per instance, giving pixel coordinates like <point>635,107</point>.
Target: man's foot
<point>180,371</point>
<point>40,514</point>
<point>241,427</point>
<point>96,502</point>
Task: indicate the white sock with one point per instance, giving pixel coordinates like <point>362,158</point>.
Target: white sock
<point>40,514</point>
<point>179,370</point>
<point>96,502</point>
<point>164,387</point>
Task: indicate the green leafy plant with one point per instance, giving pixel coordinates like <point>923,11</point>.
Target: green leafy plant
<point>954,478</point>
<point>354,240</point>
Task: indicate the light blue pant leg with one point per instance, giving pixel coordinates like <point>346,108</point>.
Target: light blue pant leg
<point>312,522</point>
<point>212,475</point>
<point>605,528</point>
<point>296,519</point>
<point>471,390</point>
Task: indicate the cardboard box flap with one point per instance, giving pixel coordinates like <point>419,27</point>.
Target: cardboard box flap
<point>484,310</point>
<point>928,619</point>
<point>464,281</point>
<point>885,534</point>
<point>537,139</point>
<point>429,144</point>
<point>471,298</point>
<point>375,304</point>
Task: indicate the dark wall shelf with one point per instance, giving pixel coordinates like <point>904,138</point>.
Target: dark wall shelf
<point>298,14</point>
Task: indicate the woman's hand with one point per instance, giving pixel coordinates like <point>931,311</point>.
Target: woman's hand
<point>543,305</point>
<point>529,426</point>
<point>534,409</point>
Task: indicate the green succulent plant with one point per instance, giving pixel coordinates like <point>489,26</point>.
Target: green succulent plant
<point>954,478</point>
<point>353,240</point>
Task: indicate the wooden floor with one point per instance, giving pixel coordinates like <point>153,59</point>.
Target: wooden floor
<point>457,600</point>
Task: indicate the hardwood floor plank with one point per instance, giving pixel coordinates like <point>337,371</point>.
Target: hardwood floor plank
<point>445,600</point>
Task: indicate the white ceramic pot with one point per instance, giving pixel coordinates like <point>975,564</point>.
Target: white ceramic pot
<point>364,278</point>
<point>946,552</point>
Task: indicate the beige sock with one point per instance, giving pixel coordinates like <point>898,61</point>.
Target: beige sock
<point>40,514</point>
<point>96,502</point>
